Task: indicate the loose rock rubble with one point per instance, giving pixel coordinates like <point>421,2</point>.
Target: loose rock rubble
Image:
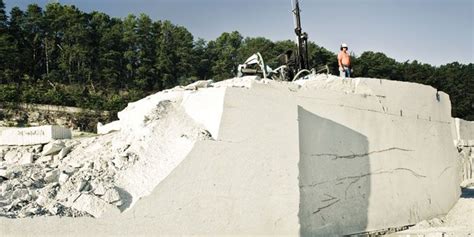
<point>88,177</point>
<point>29,181</point>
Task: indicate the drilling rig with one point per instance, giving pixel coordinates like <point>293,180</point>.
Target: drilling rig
<point>293,64</point>
<point>301,39</point>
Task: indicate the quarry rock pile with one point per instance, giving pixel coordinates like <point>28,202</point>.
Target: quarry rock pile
<point>95,175</point>
<point>31,178</point>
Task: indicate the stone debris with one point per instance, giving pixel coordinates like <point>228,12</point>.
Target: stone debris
<point>99,189</point>
<point>198,84</point>
<point>27,158</point>
<point>52,176</point>
<point>33,178</point>
<point>53,148</point>
<point>108,128</point>
<point>91,204</point>
<point>89,176</point>
<point>63,153</point>
<point>44,159</point>
<point>111,196</point>
<point>11,157</point>
<point>63,177</point>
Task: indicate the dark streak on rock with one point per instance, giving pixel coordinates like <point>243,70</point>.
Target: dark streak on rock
<point>324,207</point>
<point>353,156</point>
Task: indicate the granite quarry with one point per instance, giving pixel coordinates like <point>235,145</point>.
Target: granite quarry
<point>320,156</point>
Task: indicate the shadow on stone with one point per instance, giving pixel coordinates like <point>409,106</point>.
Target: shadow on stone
<point>334,177</point>
<point>126,198</point>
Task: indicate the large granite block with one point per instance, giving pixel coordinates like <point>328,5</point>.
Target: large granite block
<point>33,135</point>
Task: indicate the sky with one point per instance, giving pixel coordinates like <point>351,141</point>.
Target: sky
<point>430,31</point>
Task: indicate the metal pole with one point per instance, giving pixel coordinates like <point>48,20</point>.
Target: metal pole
<point>301,38</point>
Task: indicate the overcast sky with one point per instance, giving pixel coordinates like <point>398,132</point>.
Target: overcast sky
<point>430,31</point>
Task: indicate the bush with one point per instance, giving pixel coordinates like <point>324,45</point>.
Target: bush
<point>9,93</point>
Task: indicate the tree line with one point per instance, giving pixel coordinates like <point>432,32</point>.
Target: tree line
<point>63,56</point>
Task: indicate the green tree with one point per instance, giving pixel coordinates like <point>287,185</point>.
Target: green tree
<point>202,59</point>
<point>224,52</point>
<point>375,65</point>
<point>175,59</point>
<point>34,33</point>
<point>76,46</point>
<point>108,51</point>
<point>416,72</point>
<point>130,53</point>
<point>458,81</point>
<point>319,56</point>
<point>18,57</point>
<point>262,45</point>
<point>146,51</point>
<point>7,48</point>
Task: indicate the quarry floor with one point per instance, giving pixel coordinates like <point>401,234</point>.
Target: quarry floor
<point>458,222</point>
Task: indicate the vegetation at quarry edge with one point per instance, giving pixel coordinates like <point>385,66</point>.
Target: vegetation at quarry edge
<point>61,55</point>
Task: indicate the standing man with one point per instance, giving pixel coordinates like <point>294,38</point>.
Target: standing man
<point>344,61</point>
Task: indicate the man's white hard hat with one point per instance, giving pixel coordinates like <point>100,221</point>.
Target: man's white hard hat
<point>344,45</point>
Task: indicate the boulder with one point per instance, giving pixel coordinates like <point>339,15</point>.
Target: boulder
<point>83,186</point>
<point>64,152</point>
<point>42,200</point>
<point>108,128</point>
<point>11,157</point>
<point>44,159</point>
<point>3,172</point>
<point>111,196</point>
<point>91,204</point>
<point>63,177</point>
<point>99,189</point>
<point>21,194</point>
<point>52,176</point>
<point>33,135</point>
<point>26,158</point>
<point>53,148</point>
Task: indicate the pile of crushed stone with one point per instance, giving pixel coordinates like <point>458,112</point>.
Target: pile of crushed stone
<point>91,176</point>
<point>31,178</point>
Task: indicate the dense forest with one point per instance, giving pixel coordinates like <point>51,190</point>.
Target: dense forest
<point>63,56</point>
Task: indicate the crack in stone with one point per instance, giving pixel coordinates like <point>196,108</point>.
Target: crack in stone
<point>444,171</point>
<point>358,177</point>
<point>353,156</point>
<point>329,199</point>
<point>324,207</point>
<point>411,171</point>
